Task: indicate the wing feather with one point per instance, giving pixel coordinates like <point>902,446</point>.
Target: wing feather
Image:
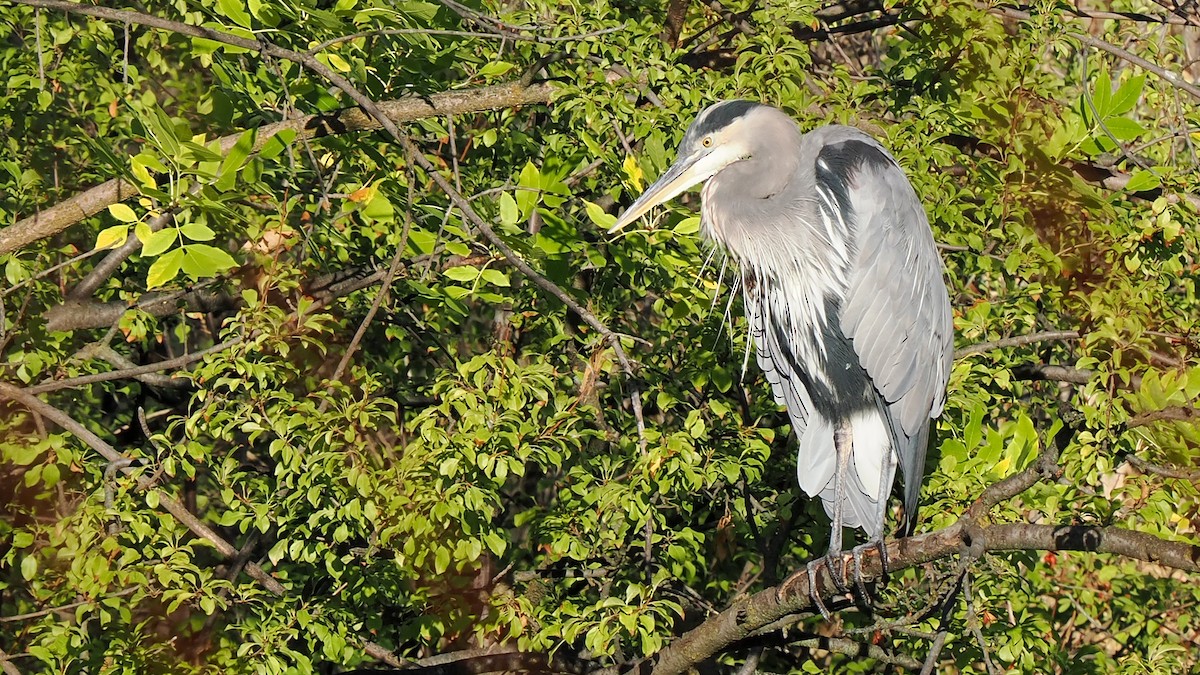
<point>897,312</point>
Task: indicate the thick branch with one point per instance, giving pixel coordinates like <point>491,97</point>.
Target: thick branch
<point>745,616</point>
<point>1179,413</point>
<point>1035,371</point>
<point>78,314</point>
<point>479,661</point>
<point>86,204</point>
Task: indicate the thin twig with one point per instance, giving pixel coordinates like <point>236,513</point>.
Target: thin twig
<point>136,371</point>
<point>62,608</point>
<point>1017,341</point>
<point>461,33</point>
<point>384,291</point>
<point>168,503</point>
<point>1166,472</point>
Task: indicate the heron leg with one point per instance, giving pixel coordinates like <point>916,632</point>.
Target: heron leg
<point>843,445</point>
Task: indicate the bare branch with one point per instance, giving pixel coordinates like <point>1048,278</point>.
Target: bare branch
<point>479,661</point>
<point>1036,371</point>
<point>745,616</point>
<point>1017,341</point>
<point>61,608</point>
<point>1179,413</point>
<point>1166,472</point>
<point>76,314</point>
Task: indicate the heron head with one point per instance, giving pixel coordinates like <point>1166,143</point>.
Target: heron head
<point>719,136</point>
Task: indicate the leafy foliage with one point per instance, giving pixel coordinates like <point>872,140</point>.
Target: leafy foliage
<point>454,458</point>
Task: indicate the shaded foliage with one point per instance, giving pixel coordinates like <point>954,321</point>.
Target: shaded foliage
<point>454,459</point>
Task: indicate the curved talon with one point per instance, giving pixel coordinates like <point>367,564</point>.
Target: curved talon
<point>884,563</point>
<point>839,579</point>
<point>812,567</point>
<point>866,602</point>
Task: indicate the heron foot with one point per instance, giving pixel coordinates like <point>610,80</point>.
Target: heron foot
<point>812,569</point>
<point>862,594</point>
<point>811,573</point>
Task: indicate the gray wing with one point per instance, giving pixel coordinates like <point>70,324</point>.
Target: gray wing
<point>896,311</point>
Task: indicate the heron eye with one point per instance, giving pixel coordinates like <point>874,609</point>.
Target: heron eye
<point>707,142</point>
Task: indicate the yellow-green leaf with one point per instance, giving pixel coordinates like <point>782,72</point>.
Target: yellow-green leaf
<point>122,213</point>
<point>633,172</point>
<point>597,215</point>
<point>112,237</point>
<point>202,260</point>
<point>28,567</point>
<point>508,209</point>
<point>164,269</point>
<point>159,242</point>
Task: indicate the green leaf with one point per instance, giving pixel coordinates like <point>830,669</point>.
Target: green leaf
<point>379,208</point>
<point>112,237</point>
<point>234,159</point>
<point>122,213</point>
<point>1127,95</point>
<point>159,242</point>
<point>164,269</point>
<point>1102,96</point>
<point>508,209</point>
<point>530,183</point>
<point>603,220</point>
<point>202,260</point>
<point>688,226</point>
<point>495,69</point>
<point>334,61</point>
<point>462,273</point>
<point>235,10</point>
<point>197,231</point>
<point>1123,128</point>
<point>29,566</point>
<point>495,277</point>
<point>1141,181</point>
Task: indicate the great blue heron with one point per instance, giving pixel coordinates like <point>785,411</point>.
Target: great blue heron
<point>843,293</point>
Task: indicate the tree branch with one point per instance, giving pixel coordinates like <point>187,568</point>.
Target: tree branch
<point>1166,472</point>
<point>479,661</point>
<point>86,204</point>
<point>1179,413</point>
<point>1171,78</point>
<point>1016,341</point>
<point>168,503</point>
<point>1037,371</point>
<point>744,616</point>
<point>76,314</point>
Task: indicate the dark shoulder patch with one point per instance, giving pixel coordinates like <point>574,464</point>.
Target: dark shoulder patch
<point>842,159</point>
<point>837,163</point>
<point>721,115</point>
